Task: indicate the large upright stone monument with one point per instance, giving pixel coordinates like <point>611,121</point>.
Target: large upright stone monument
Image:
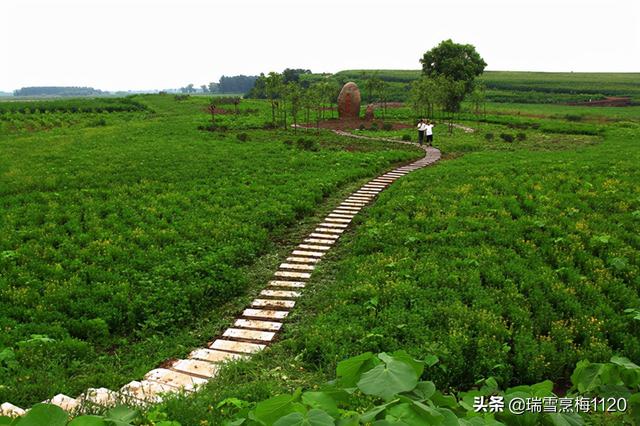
<point>349,102</point>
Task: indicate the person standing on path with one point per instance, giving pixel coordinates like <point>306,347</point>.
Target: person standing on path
<point>428,129</point>
<point>422,126</point>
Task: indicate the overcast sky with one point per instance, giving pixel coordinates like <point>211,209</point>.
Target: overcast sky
<point>156,44</point>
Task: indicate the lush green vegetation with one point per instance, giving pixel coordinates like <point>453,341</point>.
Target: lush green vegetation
<point>515,261</point>
<point>522,87</point>
<point>131,242</point>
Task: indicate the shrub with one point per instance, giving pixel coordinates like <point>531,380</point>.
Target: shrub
<point>506,137</point>
<point>307,144</point>
<point>268,125</point>
<point>521,136</point>
<point>406,138</point>
<point>242,137</point>
<point>99,122</point>
<point>288,142</point>
<point>361,127</point>
<point>387,126</point>
<point>374,126</point>
<point>573,117</point>
<point>181,97</point>
<point>489,136</point>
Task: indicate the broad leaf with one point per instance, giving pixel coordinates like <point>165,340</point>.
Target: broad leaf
<point>322,401</point>
<point>388,379</point>
<point>313,417</point>
<point>272,409</point>
<point>44,414</point>
<point>350,370</point>
<point>87,421</point>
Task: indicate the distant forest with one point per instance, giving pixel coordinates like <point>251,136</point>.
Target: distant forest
<point>231,84</point>
<point>57,91</point>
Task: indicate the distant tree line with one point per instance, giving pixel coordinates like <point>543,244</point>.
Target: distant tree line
<point>57,91</point>
<point>227,84</point>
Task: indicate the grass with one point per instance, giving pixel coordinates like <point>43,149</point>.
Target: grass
<point>131,243</point>
<point>513,264</point>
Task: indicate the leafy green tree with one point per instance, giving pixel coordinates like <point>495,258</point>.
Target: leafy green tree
<point>456,62</point>
<point>213,87</point>
<point>294,95</point>
<point>204,88</point>
<point>273,90</point>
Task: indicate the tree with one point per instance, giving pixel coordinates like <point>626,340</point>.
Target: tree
<point>425,94</point>
<point>290,74</point>
<point>294,95</point>
<point>190,88</point>
<point>204,88</point>
<point>213,87</point>
<point>273,90</point>
<point>456,62</point>
<point>478,99</point>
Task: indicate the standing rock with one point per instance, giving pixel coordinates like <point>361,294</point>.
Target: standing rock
<point>349,102</point>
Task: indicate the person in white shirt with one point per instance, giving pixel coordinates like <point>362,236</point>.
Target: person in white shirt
<point>428,129</point>
<point>422,126</point>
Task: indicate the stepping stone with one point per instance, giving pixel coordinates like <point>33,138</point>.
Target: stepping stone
<point>337,219</point>
<point>10,410</point>
<point>318,241</point>
<point>173,378</point>
<point>355,209</point>
<point>333,225</point>
<point>263,336</point>
<point>285,274</point>
<point>314,247</point>
<point>342,215</point>
<point>63,401</point>
<point>357,200</point>
<point>261,325</point>
<point>265,313</point>
<point>333,230</point>
<point>302,259</point>
<point>281,293</point>
<point>296,266</point>
<point>214,356</point>
<point>290,284</point>
<point>268,303</point>
<point>196,367</point>
<point>375,186</point>
<point>365,193</point>
<point>307,253</point>
<point>318,235</point>
<point>352,204</point>
<point>146,391</point>
<point>99,396</point>
<point>344,212</point>
<point>242,347</point>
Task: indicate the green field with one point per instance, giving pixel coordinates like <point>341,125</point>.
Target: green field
<point>130,242</point>
<point>131,237</point>
<point>523,87</point>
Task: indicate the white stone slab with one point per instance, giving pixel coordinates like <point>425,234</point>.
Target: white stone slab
<point>288,284</point>
<point>320,235</point>
<point>307,253</point>
<point>333,225</point>
<point>314,247</point>
<point>265,313</point>
<point>99,396</point>
<point>269,303</point>
<point>263,336</point>
<point>332,230</point>
<point>281,293</point>
<point>357,200</point>
<point>297,266</point>
<point>242,347</point>
<point>146,391</point>
<point>215,356</point>
<point>298,259</point>
<point>196,367</point>
<point>63,401</point>
<point>342,215</point>
<point>337,220</point>
<point>319,241</point>
<point>10,410</point>
<point>288,274</point>
<point>260,325</point>
<point>175,379</point>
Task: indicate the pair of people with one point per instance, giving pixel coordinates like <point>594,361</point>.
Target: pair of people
<point>425,128</point>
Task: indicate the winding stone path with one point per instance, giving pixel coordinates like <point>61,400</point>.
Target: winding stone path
<point>259,324</point>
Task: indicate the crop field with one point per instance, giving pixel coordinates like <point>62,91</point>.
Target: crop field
<point>511,260</point>
<point>128,243</point>
<point>522,87</point>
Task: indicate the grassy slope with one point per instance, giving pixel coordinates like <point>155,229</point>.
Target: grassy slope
<point>512,264</point>
<point>134,242</point>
